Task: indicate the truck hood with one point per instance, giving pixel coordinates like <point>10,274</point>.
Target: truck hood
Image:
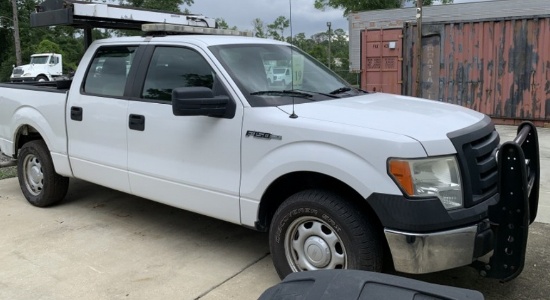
<point>29,68</point>
<point>426,121</point>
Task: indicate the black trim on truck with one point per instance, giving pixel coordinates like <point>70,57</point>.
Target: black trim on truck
<point>49,86</point>
<point>136,85</point>
<point>518,183</point>
<point>424,214</point>
<point>476,146</point>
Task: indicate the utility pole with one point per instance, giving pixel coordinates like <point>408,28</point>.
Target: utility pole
<point>329,42</point>
<point>16,37</point>
<point>418,92</point>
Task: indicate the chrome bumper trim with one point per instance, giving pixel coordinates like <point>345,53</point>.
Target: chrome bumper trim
<point>419,253</point>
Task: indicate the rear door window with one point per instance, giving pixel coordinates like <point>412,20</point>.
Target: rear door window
<point>109,70</point>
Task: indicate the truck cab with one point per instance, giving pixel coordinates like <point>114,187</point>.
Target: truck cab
<point>42,67</point>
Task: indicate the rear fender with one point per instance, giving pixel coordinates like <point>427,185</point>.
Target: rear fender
<point>27,119</point>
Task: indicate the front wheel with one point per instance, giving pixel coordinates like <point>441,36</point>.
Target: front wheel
<point>316,230</point>
<point>41,78</point>
<point>39,183</point>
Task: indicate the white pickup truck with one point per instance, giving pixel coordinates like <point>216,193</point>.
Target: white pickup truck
<point>339,177</point>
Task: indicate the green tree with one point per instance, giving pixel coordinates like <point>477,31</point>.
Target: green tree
<point>317,46</point>
<point>30,37</point>
<point>65,40</point>
<point>259,28</point>
<point>47,46</point>
<point>363,5</point>
<point>276,29</point>
<point>222,24</point>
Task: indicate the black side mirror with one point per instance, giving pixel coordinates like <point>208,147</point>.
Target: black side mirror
<point>200,101</point>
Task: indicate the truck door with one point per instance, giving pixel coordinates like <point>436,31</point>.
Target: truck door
<point>97,119</point>
<point>191,162</point>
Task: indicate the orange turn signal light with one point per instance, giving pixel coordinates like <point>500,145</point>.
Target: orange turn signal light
<point>401,172</point>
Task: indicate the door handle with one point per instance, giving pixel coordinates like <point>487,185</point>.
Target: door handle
<point>136,122</point>
<point>76,113</point>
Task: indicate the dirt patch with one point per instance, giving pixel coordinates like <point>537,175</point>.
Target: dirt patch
<point>8,172</point>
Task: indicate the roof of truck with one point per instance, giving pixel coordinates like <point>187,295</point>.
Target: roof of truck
<point>207,40</point>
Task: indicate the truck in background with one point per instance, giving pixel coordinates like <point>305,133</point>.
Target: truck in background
<point>42,67</point>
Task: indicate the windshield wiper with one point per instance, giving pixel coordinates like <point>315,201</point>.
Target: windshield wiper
<point>318,93</point>
<point>283,93</point>
<point>340,90</point>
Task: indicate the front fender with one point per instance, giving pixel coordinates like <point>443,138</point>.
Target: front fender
<point>329,159</point>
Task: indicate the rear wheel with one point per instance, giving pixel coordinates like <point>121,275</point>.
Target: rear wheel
<point>315,230</point>
<point>39,183</point>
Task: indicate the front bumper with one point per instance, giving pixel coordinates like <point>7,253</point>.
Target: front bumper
<point>419,253</point>
<point>22,79</point>
<point>504,231</point>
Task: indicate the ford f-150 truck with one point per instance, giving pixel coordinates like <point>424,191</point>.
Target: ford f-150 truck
<point>339,177</point>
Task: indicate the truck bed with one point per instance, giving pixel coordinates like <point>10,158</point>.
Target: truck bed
<point>36,107</point>
<point>60,86</point>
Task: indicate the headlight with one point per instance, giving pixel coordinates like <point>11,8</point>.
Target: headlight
<point>429,177</point>
<point>26,74</point>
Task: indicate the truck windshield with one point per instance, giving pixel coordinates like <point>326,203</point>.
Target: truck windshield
<point>273,75</point>
<point>39,60</point>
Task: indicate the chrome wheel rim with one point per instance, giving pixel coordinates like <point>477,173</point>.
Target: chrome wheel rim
<point>312,244</point>
<point>34,177</point>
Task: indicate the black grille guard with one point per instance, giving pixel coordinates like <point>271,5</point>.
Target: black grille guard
<point>518,186</point>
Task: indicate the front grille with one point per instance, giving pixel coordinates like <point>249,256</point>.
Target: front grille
<point>476,147</point>
<point>17,71</point>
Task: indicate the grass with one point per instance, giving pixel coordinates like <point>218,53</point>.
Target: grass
<point>8,172</point>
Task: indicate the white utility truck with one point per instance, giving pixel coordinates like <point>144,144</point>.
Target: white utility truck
<point>340,178</point>
<point>42,67</point>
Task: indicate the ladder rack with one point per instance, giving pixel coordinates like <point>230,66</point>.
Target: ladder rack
<point>101,15</point>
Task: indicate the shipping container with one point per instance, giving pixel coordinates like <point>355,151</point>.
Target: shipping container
<point>493,57</point>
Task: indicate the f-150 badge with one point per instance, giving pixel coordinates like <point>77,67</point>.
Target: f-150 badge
<point>263,135</point>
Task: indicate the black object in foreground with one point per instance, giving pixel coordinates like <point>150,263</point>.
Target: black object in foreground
<point>353,284</point>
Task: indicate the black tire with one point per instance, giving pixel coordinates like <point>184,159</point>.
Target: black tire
<point>327,233</point>
<point>39,183</point>
<point>41,78</point>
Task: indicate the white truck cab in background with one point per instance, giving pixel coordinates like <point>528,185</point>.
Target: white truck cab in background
<point>42,67</point>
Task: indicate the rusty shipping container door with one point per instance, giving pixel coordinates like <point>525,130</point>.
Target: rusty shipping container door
<point>381,53</point>
<point>500,68</point>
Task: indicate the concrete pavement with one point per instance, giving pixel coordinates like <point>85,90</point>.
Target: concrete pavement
<point>103,244</point>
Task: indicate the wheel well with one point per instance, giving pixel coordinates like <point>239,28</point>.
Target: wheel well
<point>25,134</point>
<point>292,183</point>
